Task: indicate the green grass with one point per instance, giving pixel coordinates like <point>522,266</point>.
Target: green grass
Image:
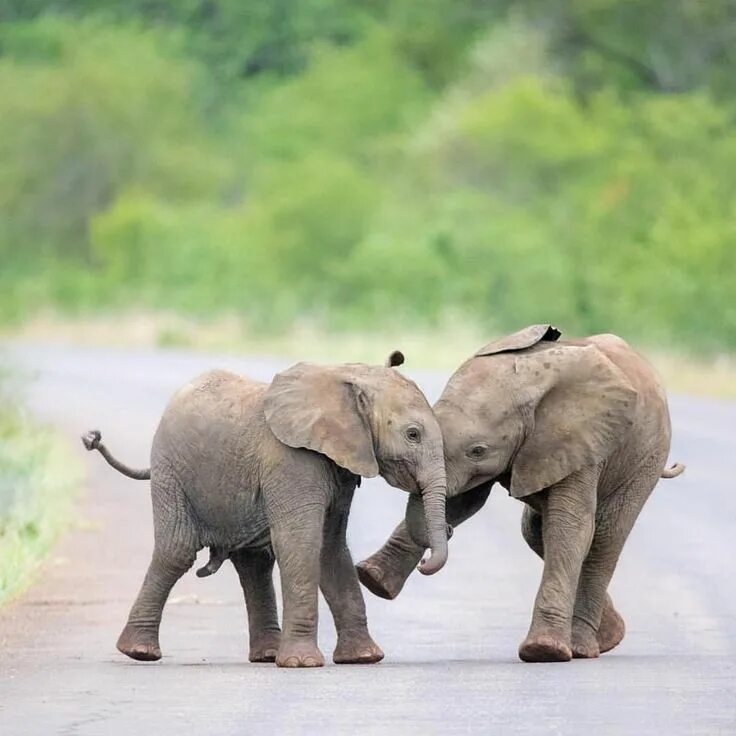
<point>37,483</point>
<point>509,170</point>
<point>443,348</point>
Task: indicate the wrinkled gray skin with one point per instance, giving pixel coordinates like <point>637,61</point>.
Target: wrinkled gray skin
<point>577,429</point>
<point>253,471</point>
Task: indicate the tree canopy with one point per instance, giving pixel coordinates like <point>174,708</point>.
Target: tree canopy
<point>494,162</point>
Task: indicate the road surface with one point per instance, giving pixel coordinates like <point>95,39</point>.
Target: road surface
<point>450,640</point>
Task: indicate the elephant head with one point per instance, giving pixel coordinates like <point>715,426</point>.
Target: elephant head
<point>528,411</point>
<point>369,420</point>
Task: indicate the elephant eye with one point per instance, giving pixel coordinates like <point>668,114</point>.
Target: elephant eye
<point>413,434</point>
<point>477,451</point>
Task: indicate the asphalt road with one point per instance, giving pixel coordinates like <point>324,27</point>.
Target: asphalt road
<point>450,640</point>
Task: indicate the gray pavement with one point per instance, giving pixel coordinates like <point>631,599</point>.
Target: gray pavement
<point>450,640</point>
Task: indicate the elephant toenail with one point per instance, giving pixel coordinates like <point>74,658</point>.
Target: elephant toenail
<point>373,571</point>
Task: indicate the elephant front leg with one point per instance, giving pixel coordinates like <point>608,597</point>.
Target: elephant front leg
<point>339,584</point>
<point>595,630</point>
<point>385,572</point>
<point>612,627</point>
<point>568,515</point>
<point>255,570</point>
<point>297,541</point>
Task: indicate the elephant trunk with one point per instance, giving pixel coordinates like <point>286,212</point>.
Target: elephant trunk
<point>433,495</point>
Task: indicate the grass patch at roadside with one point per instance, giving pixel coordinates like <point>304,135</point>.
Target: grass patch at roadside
<point>38,477</point>
<point>442,348</point>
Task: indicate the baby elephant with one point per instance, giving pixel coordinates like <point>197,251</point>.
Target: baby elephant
<point>577,429</point>
<point>252,470</point>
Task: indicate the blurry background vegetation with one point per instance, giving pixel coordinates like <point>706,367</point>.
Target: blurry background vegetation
<point>38,480</point>
<point>360,162</point>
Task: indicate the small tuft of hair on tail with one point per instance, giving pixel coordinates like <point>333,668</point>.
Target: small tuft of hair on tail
<point>673,471</point>
<point>91,440</point>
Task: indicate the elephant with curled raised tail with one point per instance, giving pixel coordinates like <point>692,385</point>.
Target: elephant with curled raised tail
<point>579,430</point>
<point>254,471</point>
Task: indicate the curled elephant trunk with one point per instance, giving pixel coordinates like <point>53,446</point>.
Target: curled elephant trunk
<point>433,532</point>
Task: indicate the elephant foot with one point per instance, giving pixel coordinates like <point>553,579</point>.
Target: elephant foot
<point>357,649</point>
<point>264,646</point>
<point>584,641</point>
<point>612,629</point>
<point>299,654</point>
<point>139,644</point>
<point>544,647</point>
<point>380,577</point>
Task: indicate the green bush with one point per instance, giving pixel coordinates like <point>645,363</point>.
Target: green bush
<point>87,110</point>
<point>609,216</point>
<point>37,481</point>
<point>349,164</point>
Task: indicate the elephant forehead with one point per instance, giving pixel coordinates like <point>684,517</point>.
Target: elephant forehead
<point>479,380</point>
<point>458,423</point>
<point>396,412</point>
<point>401,394</point>
<point>476,414</point>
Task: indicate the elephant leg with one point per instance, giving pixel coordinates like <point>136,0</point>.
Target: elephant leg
<point>531,530</point>
<point>296,536</point>
<point>385,572</point>
<point>612,627</point>
<point>568,517</point>
<point>615,519</point>
<point>175,549</point>
<point>341,589</point>
<point>255,570</point>
<point>139,638</point>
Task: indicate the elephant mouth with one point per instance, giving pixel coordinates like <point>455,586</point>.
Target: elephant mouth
<point>502,479</point>
<point>398,475</point>
<point>478,480</point>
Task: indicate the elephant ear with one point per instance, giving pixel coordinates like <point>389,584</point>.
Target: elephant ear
<point>323,408</point>
<point>395,359</point>
<point>583,407</point>
<point>520,340</point>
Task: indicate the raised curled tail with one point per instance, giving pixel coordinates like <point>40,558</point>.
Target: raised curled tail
<point>92,441</point>
<point>673,471</point>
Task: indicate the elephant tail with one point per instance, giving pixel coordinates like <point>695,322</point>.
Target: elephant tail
<point>92,441</point>
<point>673,471</point>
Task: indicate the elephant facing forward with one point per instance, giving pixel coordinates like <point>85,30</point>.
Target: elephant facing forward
<point>250,470</point>
<point>577,429</point>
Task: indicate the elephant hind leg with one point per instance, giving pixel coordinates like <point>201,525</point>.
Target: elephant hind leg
<point>175,549</point>
<point>139,638</point>
<point>612,628</point>
<point>255,570</point>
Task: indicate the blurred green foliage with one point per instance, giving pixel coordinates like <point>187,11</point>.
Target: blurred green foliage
<point>38,479</point>
<point>354,163</point>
